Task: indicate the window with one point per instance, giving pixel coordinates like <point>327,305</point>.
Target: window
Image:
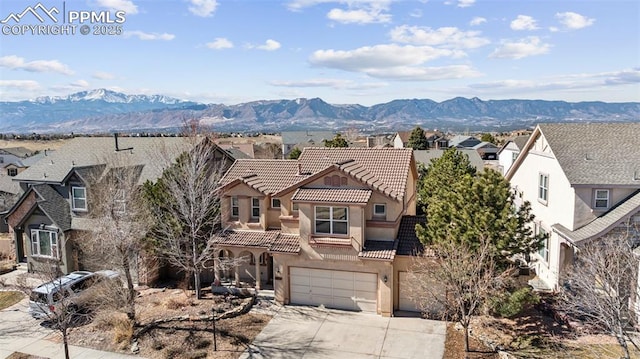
<point>514,156</point>
<point>11,172</point>
<point>601,199</point>
<point>544,250</point>
<point>543,187</point>
<point>332,220</point>
<point>234,207</point>
<point>120,202</point>
<point>44,243</point>
<point>255,207</point>
<point>379,209</point>
<point>275,203</point>
<point>294,207</point>
<point>79,198</point>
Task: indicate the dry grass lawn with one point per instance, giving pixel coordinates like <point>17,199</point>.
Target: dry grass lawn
<point>9,298</point>
<point>34,145</point>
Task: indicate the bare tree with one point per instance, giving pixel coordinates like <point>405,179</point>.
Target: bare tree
<point>119,222</point>
<point>601,286</point>
<point>185,205</point>
<point>456,282</point>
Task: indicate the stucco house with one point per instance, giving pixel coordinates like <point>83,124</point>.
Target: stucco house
<point>583,183</point>
<point>333,228</point>
<point>436,139</point>
<point>55,209</point>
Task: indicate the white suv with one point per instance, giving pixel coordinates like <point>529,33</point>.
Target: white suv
<point>63,292</point>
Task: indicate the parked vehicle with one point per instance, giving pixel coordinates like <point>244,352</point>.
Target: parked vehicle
<point>69,292</point>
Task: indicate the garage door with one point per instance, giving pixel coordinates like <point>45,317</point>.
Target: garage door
<point>404,301</point>
<point>334,289</point>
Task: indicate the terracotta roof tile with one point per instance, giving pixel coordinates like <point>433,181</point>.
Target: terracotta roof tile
<point>266,176</point>
<point>286,243</point>
<point>272,240</point>
<point>342,195</point>
<point>385,250</point>
<point>408,242</point>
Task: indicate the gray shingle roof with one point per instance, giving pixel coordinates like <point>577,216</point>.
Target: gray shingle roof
<point>425,156</point>
<point>603,223</point>
<point>89,151</point>
<point>54,206</point>
<point>332,195</point>
<point>596,153</point>
<point>520,141</point>
<point>8,185</point>
<point>408,242</point>
<point>308,138</point>
<point>17,151</point>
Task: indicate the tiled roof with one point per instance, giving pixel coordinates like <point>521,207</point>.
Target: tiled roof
<point>285,243</point>
<point>154,153</point>
<point>605,222</point>
<point>408,242</point>
<point>342,195</point>
<point>54,206</point>
<point>272,240</point>
<point>385,169</point>
<point>267,176</point>
<point>384,250</point>
<point>596,153</point>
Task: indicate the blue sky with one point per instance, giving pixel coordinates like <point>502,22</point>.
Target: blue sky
<point>357,51</point>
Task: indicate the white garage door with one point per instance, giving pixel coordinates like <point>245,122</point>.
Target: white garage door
<point>334,289</point>
<point>404,301</point>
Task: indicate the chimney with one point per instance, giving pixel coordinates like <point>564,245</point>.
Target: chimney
<point>115,138</point>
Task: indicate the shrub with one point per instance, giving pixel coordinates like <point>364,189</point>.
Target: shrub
<point>512,304</point>
<point>122,330</point>
<point>177,303</point>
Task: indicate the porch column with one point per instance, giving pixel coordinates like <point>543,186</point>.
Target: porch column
<point>236,272</point>
<point>257,264</point>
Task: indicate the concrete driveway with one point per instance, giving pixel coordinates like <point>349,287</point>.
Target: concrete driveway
<point>309,332</point>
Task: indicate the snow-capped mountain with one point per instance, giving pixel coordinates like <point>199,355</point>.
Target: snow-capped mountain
<point>104,110</point>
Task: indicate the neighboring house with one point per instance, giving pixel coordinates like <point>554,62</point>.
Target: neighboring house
<point>508,153</point>
<point>487,151</point>
<point>380,141</point>
<point>435,138</point>
<point>331,228</point>
<point>55,209</point>
<point>238,150</point>
<point>463,141</point>
<point>20,164</point>
<point>583,183</point>
<point>426,156</point>
<point>303,139</point>
<point>20,152</point>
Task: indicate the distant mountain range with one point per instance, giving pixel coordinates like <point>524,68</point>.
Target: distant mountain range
<point>105,111</point>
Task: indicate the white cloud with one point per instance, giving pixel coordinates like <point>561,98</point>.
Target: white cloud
<point>149,36</point>
<point>337,84</point>
<point>466,3</point>
<point>20,85</point>
<point>18,63</point>
<point>404,63</point>
<point>80,83</point>
<point>522,48</point>
<point>269,45</point>
<point>220,43</point>
<point>524,22</point>
<point>100,75</point>
<point>359,16</point>
<point>450,37</point>
<point>417,13</point>
<point>125,5</point>
<point>477,21</point>
<point>574,21</point>
<point>203,8</point>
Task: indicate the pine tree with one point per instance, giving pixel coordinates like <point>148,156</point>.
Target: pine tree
<point>417,140</point>
<point>337,141</point>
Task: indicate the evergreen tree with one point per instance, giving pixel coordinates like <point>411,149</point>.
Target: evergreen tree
<point>440,175</point>
<point>487,137</point>
<point>295,153</point>
<point>337,141</point>
<point>417,140</point>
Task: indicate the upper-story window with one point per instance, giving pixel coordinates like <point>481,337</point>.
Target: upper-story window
<point>11,172</point>
<point>235,210</point>
<point>379,210</point>
<point>294,207</point>
<point>543,187</point>
<point>514,156</point>
<point>332,220</point>
<point>255,207</point>
<point>44,243</point>
<point>79,198</point>
<point>275,202</point>
<point>601,200</point>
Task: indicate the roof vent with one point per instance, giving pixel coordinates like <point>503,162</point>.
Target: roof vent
<point>636,176</point>
<point>118,149</point>
<point>587,157</point>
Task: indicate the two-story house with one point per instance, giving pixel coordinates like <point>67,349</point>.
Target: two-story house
<point>509,151</point>
<point>326,228</point>
<point>55,209</point>
<point>583,183</point>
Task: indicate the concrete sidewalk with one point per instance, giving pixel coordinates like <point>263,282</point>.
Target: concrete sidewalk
<point>19,332</point>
